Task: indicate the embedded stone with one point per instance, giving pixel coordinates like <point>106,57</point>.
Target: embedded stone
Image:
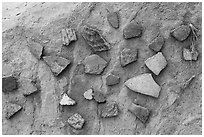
<point>57,64</point>
<point>112,80</point>
<point>76,121</point>
<point>12,109</point>
<point>132,30</point>
<point>66,100</point>
<point>99,97</point>
<point>94,38</point>
<point>128,56</point>
<point>88,94</point>
<point>28,87</point>
<point>189,55</point>
<point>140,112</point>
<point>181,32</point>
<point>144,84</point>
<point>156,63</point>
<point>94,64</point>
<point>113,19</point>
<point>68,35</point>
<point>109,110</point>
<point>9,84</point>
<point>36,49</point>
<point>157,43</point>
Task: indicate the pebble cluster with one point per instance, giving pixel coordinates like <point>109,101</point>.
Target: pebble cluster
<point>95,65</point>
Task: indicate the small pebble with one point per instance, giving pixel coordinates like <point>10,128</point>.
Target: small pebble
<point>66,100</point>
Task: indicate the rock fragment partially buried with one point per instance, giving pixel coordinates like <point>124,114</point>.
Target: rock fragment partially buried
<point>157,43</point>
<point>112,80</point>
<point>144,84</point>
<point>57,64</point>
<point>36,49</point>
<point>94,38</point>
<point>68,35</point>
<point>132,30</point>
<point>128,56</point>
<point>12,109</point>
<point>113,19</point>
<point>9,83</point>
<point>76,121</point>
<point>181,33</point>
<point>28,87</point>
<point>156,63</point>
<point>110,109</point>
<point>94,64</point>
<point>140,112</point>
<point>67,101</point>
<point>190,55</point>
<point>99,97</point>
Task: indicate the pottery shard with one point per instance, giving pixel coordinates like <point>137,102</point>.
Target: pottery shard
<point>28,87</point>
<point>99,97</point>
<point>36,49</point>
<point>144,84</point>
<point>109,110</point>
<point>132,30</point>
<point>181,32</point>
<point>68,35</point>
<point>113,19</point>
<point>128,56</point>
<point>156,63</point>
<point>57,64</point>
<point>189,55</point>
<point>94,38</point>
<point>66,100</point>
<point>76,121</point>
<point>88,94</point>
<point>112,80</point>
<point>94,64</point>
<point>12,109</point>
<point>9,84</point>
<point>157,43</point>
<point>140,112</point>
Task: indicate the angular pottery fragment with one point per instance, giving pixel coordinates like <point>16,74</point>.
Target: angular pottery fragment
<point>95,39</point>
<point>144,84</point>
<point>156,63</point>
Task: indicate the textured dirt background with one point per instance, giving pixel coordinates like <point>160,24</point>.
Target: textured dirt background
<point>41,112</point>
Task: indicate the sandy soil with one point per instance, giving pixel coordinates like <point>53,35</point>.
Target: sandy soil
<point>175,111</point>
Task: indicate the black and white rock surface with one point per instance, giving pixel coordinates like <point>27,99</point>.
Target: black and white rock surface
<point>57,64</point>
<point>128,56</point>
<point>157,43</point>
<point>88,94</point>
<point>99,97</point>
<point>9,83</point>
<point>181,32</point>
<point>36,49</point>
<point>112,80</point>
<point>110,109</point>
<point>94,38</point>
<point>12,109</point>
<point>140,112</point>
<point>132,30</point>
<point>156,63</point>
<point>144,84</point>
<point>68,35</point>
<point>76,121</point>
<point>94,64</point>
<point>113,19</point>
<point>67,101</point>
